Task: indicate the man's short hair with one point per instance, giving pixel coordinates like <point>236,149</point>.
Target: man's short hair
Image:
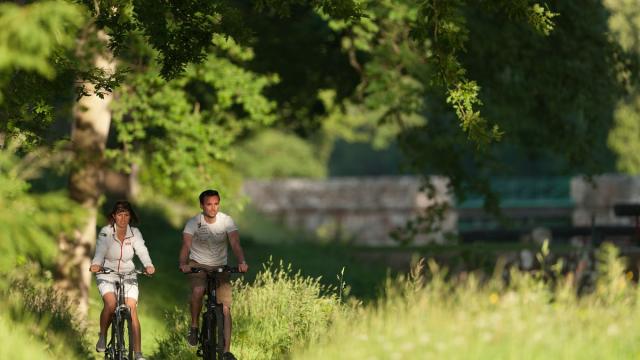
<point>207,193</point>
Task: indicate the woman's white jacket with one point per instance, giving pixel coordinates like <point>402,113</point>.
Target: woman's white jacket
<point>116,255</point>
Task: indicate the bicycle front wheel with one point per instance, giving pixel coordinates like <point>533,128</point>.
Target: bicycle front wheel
<point>208,338</point>
<point>219,326</point>
<point>124,338</point>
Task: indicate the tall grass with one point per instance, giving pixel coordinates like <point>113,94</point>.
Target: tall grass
<point>428,317</point>
<point>279,310</point>
<point>44,320</point>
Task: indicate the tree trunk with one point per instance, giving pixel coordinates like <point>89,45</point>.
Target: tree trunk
<point>134,183</point>
<point>92,118</point>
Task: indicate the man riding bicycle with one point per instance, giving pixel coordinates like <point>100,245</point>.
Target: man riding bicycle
<point>204,245</point>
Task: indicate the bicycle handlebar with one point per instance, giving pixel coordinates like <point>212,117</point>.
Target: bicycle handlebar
<point>227,269</point>
<point>110,271</point>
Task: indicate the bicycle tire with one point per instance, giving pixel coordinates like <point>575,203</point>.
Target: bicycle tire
<point>208,337</point>
<point>124,337</point>
<point>219,330</point>
<point>111,353</point>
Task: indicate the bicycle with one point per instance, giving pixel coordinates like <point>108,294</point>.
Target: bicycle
<point>211,340</point>
<point>120,346</point>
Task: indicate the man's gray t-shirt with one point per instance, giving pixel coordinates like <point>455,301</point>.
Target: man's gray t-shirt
<point>209,242</point>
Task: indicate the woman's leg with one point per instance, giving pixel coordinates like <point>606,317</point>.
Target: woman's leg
<point>135,323</point>
<point>109,300</point>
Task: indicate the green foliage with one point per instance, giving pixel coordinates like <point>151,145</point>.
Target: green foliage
<point>181,132</point>
<point>31,223</point>
<point>34,42</point>
<point>427,69</point>
<point>32,35</point>
<point>274,154</point>
<point>391,88</point>
<point>182,31</point>
<point>555,112</point>
<point>623,137</point>
<point>352,123</point>
<point>624,24</point>
<point>334,8</point>
<point>406,61</point>
<point>463,98</point>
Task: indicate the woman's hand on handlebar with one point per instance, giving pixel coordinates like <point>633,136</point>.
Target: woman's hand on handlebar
<point>95,268</point>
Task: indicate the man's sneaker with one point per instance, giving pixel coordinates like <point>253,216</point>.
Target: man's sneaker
<point>101,345</point>
<point>228,356</point>
<point>192,339</point>
<point>138,356</point>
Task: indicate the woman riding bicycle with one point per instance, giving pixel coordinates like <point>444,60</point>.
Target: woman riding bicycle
<point>116,245</point>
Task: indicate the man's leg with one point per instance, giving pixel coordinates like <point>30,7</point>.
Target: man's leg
<point>226,311</point>
<point>224,296</point>
<point>197,294</point>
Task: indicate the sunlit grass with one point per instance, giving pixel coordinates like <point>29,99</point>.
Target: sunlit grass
<point>280,309</point>
<point>36,321</point>
<point>464,318</point>
<point>425,314</point>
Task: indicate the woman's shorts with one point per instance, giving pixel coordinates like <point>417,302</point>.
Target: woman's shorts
<point>223,285</point>
<point>107,284</point>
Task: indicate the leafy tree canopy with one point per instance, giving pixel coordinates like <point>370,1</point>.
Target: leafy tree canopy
<point>624,24</point>
<point>414,71</point>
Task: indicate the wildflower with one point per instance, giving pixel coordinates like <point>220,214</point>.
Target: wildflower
<point>493,298</point>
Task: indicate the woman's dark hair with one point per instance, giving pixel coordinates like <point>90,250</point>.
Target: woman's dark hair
<point>120,206</point>
<point>207,193</point>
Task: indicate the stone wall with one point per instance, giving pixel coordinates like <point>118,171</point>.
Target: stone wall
<point>595,198</point>
<point>359,210</point>
<point>366,210</point>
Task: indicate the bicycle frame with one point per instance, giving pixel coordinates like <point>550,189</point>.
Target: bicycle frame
<point>118,347</point>
<point>212,339</point>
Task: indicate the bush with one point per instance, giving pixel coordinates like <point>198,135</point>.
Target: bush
<point>274,154</point>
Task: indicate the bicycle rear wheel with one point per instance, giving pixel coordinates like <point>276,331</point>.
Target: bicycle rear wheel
<point>124,337</point>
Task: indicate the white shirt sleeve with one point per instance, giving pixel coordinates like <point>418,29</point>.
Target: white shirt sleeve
<point>101,247</point>
<point>230,226</point>
<point>141,249</point>
<point>190,227</point>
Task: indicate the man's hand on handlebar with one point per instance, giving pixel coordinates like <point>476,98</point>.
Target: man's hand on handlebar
<point>95,268</point>
<point>243,267</point>
<point>186,268</point>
